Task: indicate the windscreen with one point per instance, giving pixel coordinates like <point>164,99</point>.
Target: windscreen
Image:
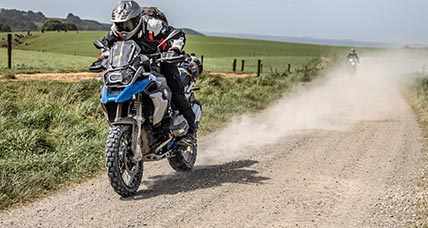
<point>123,52</point>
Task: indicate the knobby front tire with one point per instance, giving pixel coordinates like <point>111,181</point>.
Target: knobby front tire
<point>124,174</point>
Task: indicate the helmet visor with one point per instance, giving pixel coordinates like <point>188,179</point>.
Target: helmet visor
<point>127,26</point>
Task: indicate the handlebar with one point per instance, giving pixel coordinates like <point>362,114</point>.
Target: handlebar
<point>163,57</point>
<point>175,59</point>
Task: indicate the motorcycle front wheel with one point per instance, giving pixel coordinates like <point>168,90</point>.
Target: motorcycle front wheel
<point>125,174</point>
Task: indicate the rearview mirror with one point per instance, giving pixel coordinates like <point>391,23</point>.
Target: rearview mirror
<point>97,67</point>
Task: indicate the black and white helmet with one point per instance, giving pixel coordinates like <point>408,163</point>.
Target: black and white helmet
<point>127,19</point>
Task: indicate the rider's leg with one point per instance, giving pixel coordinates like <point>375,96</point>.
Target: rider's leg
<point>172,75</point>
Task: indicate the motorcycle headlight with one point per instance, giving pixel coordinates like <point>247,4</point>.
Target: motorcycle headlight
<point>123,76</point>
<point>114,77</point>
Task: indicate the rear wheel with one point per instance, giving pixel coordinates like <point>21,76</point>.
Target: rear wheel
<point>124,173</point>
<point>185,157</point>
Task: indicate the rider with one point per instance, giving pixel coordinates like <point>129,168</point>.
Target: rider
<point>354,55</point>
<point>149,27</point>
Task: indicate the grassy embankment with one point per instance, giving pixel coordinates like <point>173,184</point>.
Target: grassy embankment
<point>70,52</point>
<point>418,97</point>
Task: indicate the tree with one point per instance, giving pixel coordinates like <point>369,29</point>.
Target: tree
<point>57,25</point>
<point>70,27</point>
<point>53,25</point>
<point>5,28</point>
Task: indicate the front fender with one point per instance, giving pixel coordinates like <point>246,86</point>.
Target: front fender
<point>108,95</point>
<point>126,121</point>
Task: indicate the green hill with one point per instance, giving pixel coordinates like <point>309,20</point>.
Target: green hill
<point>19,20</point>
<point>218,52</point>
<point>80,43</point>
<point>189,31</point>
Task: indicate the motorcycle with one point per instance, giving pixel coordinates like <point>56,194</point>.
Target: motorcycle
<point>352,65</point>
<point>144,127</point>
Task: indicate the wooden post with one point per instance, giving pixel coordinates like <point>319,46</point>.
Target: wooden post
<point>234,65</point>
<point>9,51</point>
<point>259,67</point>
<point>289,68</point>
<point>202,60</point>
<point>243,65</point>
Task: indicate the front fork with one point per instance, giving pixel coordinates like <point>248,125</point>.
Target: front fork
<point>137,132</point>
<point>136,122</point>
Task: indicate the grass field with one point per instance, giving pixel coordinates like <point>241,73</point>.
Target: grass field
<point>35,62</point>
<point>59,137</point>
<point>219,53</point>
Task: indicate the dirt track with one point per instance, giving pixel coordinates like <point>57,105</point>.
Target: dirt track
<point>82,76</point>
<point>65,77</point>
<point>345,152</point>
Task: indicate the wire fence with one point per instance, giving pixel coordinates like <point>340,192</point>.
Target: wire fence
<point>259,65</point>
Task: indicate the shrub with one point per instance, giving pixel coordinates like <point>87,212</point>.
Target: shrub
<point>57,25</point>
<point>5,28</point>
<point>8,75</point>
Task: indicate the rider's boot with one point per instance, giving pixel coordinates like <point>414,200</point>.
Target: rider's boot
<point>190,137</point>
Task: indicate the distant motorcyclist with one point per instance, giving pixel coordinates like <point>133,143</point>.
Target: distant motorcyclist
<point>353,55</point>
<point>149,28</point>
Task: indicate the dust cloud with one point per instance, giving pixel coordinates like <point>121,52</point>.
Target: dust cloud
<point>335,101</point>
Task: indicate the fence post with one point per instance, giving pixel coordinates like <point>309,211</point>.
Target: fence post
<point>289,68</point>
<point>243,66</point>
<point>234,65</point>
<point>202,60</point>
<point>259,67</point>
<point>9,51</point>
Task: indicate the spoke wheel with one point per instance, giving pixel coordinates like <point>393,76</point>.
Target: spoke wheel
<point>185,158</point>
<point>124,173</point>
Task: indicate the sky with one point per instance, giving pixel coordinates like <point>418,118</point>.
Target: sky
<point>397,21</point>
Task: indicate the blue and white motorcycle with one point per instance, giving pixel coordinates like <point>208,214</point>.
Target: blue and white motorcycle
<point>143,125</point>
